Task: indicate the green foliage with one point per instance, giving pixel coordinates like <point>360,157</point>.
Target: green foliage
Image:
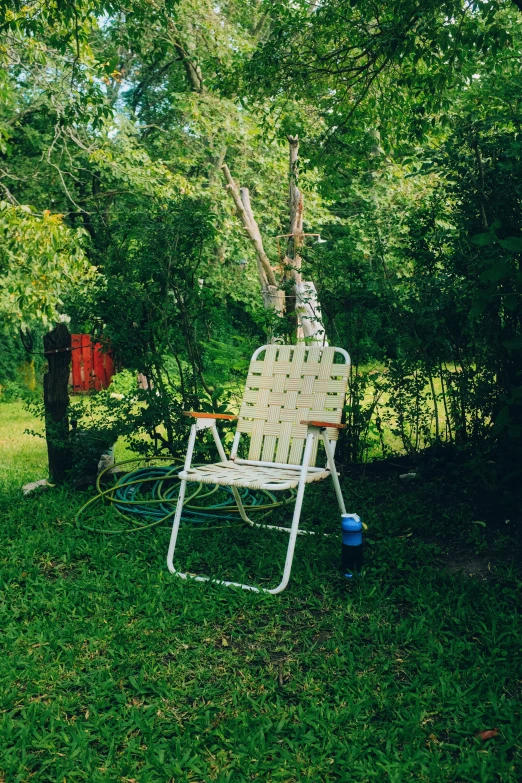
<point>12,356</point>
<point>390,67</point>
<point>41,260</point>
<point>119,116</point>
<point>421,270</point>
<point>159,316</point>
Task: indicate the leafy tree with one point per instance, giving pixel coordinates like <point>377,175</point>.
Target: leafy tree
<point>41,261</point>
<point>408,116</point>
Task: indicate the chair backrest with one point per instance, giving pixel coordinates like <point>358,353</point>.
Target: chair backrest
<point>285,385</point>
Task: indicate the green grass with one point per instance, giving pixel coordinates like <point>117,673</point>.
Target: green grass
<point>113,670</point>
<point>23,457</point>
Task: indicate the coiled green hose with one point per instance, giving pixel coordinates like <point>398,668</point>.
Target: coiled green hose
<point>151,493</point>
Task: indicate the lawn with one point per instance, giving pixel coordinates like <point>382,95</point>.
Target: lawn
<point>113,670</point>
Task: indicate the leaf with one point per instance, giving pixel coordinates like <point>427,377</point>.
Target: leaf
<point>511,302</point>
<point>498,271</point>
<point>513,244</point>
<point>479,522</point>
<point>487,734</point>
<point>513,343</point>
<point>502,419</point>
<point>483,239</point>
<point>224,642</point>
<point>479,305</point>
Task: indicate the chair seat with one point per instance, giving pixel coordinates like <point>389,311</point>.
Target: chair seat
<point>232,474</point>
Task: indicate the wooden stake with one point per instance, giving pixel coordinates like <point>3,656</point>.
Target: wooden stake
<point>57,346</point>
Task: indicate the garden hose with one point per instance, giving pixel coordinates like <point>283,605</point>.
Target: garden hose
<point>147,496</point>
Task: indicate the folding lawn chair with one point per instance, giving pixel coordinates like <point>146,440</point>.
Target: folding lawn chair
<point>293,395</point>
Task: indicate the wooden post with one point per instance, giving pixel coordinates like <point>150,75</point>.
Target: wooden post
<point>57,347</point>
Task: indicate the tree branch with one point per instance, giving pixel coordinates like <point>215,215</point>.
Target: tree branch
<point>193,72</point>
<point>242,203</point>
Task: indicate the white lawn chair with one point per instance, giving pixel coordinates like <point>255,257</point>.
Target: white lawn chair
<point>293,395</point>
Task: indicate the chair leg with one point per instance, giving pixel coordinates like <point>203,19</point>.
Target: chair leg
<point>262,525</point>
<point>172,547</point>
<point>179,505</point>
<point>333,472</point>
<point>294,530</point>
<point>175,530</point>
<point>251,522</point>
<point>239,502</point>
<point>297,516</point>
<point>235,491</point>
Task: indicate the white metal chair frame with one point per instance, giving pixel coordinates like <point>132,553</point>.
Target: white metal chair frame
<point>321,410</point>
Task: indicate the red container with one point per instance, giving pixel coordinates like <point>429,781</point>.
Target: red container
<point>92,367</point>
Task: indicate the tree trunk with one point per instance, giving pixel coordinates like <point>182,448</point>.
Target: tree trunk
<point>57,347</point>
<point>305,303</point>
<point>303,300</point>
<point>295,239</point>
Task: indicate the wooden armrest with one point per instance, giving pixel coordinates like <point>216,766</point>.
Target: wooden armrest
<point>324,424</point>
<point>200,415</point>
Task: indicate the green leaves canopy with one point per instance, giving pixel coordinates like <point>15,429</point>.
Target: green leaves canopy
<point>41,262</point>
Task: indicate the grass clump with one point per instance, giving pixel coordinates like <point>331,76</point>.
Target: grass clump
<point>113,670</point>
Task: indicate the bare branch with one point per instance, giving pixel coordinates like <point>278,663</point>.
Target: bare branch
<point>266,272</point>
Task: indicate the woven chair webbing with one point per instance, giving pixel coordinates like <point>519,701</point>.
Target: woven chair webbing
<point>291,384</point>
<point>230,474</point>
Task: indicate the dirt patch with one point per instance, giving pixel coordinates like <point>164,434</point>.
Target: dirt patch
<point>469,564</point>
